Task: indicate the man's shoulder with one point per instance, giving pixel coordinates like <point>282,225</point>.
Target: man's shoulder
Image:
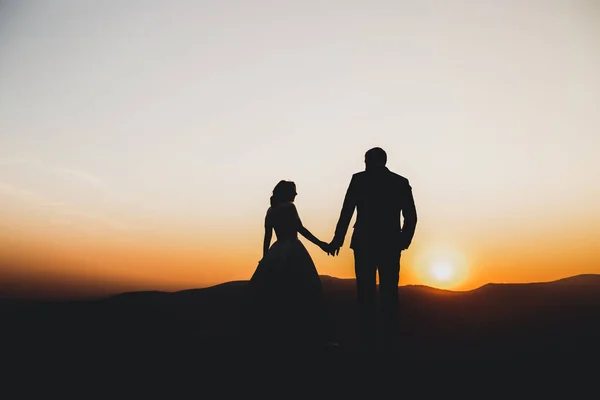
<point>399,178</point>
<point>391,175</point>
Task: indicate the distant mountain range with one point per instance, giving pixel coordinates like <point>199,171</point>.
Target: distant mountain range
<point>559,319</point>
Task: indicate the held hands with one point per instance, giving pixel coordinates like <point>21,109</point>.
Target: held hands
<point>332,249</point>
<point>326,247</point>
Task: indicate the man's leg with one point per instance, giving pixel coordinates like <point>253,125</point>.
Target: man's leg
<point>366,291</point>
<point>389,272</point>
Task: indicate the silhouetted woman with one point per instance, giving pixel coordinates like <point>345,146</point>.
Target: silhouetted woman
<point>286,304</point>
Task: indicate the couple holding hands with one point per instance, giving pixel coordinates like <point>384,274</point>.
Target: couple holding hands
<point>286,295</point>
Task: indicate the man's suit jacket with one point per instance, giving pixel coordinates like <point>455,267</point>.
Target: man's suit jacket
<point>380,197</point>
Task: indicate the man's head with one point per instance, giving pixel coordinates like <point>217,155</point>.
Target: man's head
<point>375,157</point>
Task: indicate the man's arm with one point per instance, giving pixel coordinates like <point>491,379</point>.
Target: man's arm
<point>409,213</point>
<point>345,216</point>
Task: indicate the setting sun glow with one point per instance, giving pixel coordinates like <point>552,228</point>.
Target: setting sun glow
<point>442,271</point>
<point>442,266</point>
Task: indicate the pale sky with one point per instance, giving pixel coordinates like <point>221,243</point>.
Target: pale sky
<point>176,118</point>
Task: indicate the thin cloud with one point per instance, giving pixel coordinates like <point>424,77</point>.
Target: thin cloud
<point>54,204</point>
<point>81,175</point>
<point>114,224</point>
<point>8,189</point>
<point>64,213</point>
<point>19,160</point>
<point>61,222</point>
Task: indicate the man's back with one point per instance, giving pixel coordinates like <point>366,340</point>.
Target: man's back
<point>380,198</point>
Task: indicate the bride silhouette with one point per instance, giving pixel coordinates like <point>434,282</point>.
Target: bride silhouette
<point>286,303</point>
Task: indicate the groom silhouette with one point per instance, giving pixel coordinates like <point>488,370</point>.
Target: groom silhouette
<point>380,198</point>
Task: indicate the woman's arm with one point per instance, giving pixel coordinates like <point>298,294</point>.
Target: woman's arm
<point>322,245</point>
<point>312,238</point>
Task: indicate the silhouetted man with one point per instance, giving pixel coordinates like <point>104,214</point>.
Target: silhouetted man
<point>380,198</point>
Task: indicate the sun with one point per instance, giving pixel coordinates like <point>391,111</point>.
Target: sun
<point>443,267</point>
<point>442,271</point>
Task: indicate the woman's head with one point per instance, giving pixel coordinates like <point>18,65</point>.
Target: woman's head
<point>283,192</point>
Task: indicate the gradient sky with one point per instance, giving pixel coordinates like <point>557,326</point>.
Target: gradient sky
<point>140,140</point>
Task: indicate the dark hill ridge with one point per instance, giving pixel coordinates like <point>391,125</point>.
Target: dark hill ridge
<point>546,319</point>
<point>332,282</point>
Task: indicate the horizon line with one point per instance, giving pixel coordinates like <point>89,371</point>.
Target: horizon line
<point>107,296</point>
<point>353,279</point>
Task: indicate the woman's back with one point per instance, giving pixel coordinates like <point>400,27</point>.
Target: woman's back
<point>285,220</point>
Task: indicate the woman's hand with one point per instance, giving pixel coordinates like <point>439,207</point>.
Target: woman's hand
<point>325,247</point>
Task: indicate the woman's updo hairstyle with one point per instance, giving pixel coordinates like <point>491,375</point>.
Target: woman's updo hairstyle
<point>283,192</point>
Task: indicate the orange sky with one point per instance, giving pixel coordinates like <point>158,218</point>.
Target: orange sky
<point>140,143</point>
<point>63,263</point>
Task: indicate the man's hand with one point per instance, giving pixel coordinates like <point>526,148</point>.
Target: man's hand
<point>334,248</point>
